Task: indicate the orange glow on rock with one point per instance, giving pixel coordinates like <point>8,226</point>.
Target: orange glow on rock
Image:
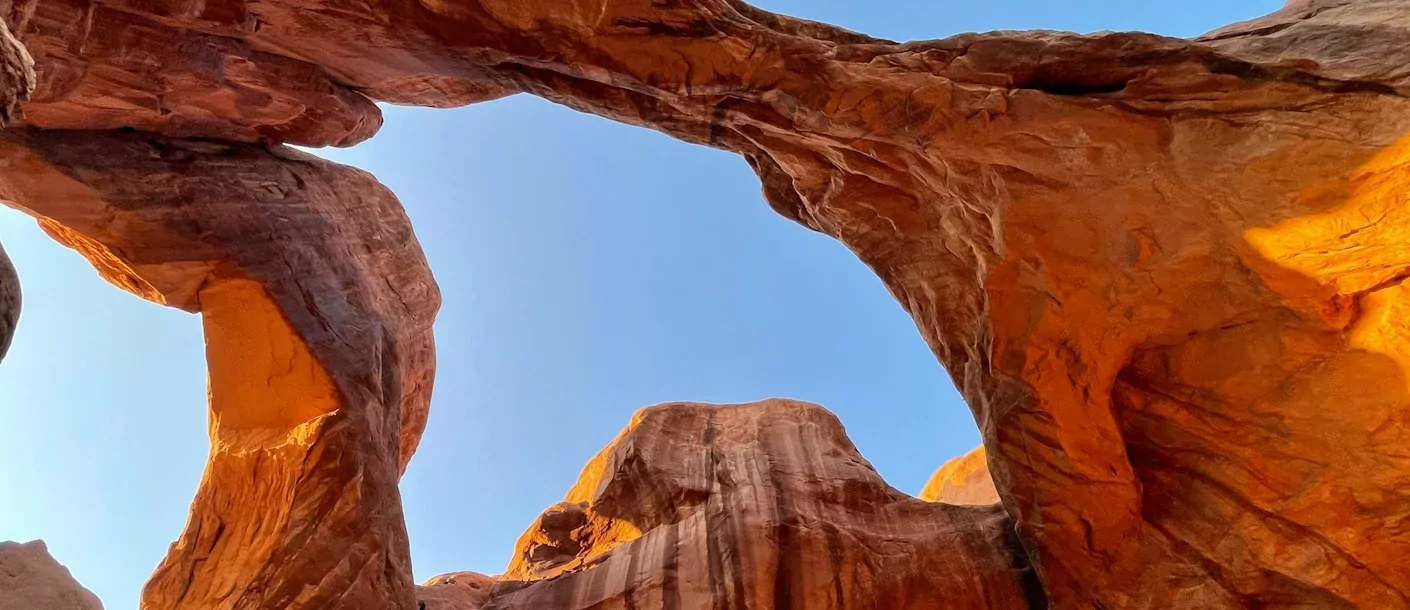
<point>264,383</point>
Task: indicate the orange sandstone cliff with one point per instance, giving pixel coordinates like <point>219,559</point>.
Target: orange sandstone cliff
<point>1167,275</point>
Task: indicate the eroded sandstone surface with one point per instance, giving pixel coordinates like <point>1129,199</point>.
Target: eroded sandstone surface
<point>765,505</point>
<point>1167,275</point>
<point>455,591</point>
<point>30,579</point>
<point>317,307</point>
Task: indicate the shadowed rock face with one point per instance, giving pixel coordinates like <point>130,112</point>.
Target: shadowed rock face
<point>101,67</point>
<point>9,302</point>
<point>766,505</point>
<point>16,85</point>
<point>1167,275</point>
<point>317,308</point>
<point>30,579</point>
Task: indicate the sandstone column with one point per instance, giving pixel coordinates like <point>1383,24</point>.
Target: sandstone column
<point>317,306</point>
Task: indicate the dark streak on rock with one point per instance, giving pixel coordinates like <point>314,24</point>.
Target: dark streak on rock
<point>1027,576</point>
<point>834,557</point>
<point>633,567</point>
<point>670,560</point>
<point>788,568</point>
<point>718,595</point>
<point>717,122</point>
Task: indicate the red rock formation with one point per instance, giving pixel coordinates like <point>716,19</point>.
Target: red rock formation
<point>17,82</point>
<point>766,505</point>
<point>30,579</point>
<point>1131,251</point>
<point>1166,274</point>
<point>9,302</point>
<point>317,307</point>
<point>455,591</point>
<point>964,481</point>
<point>101,67</point>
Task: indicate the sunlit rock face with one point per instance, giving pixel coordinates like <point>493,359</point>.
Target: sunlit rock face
<point>964,480</point>
<point>766,505</point>
<point>1167,275</point>
<point>30,579</point>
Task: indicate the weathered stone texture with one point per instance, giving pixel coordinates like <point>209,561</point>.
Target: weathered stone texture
<point>30,579</point>
<point>317,307</point>
<point>1167,275</point>
<point>766,505</point>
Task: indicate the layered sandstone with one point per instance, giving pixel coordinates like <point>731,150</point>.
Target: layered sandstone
<point>964,480</point>
<point>30,579</point>
<point>317,307</point>
<point>1167,275</point>
<point>765,505</point>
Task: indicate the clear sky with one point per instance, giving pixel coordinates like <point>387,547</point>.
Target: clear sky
<point>588,269</point>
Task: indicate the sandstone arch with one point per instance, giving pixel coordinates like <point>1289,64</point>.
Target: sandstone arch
<point>319,346</point>
<point>1166,274</point>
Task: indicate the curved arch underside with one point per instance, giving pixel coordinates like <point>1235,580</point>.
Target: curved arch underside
<point>1167,275</point>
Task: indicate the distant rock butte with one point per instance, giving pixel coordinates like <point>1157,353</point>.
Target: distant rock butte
<point>766,505</point>
<point>1168,276</point>
<point>963,481</point>
<point>30,579</point>
<point>455,591</point>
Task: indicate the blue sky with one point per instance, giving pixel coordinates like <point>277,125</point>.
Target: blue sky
<point>588,269</point>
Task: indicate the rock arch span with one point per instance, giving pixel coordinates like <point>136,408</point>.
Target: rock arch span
<point>1166,274</point>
